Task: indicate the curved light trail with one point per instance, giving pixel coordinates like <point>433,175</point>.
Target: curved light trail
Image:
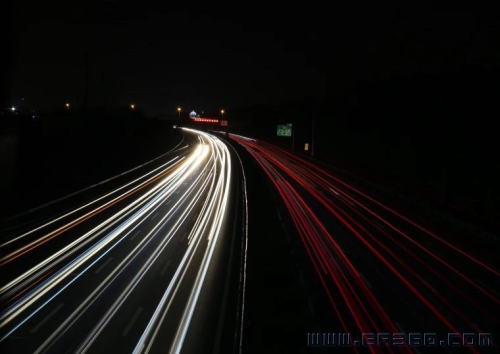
<point>366,254</point>
<point>144,248</point>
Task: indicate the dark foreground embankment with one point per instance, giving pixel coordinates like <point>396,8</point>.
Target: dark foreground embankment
<point>59,155</point>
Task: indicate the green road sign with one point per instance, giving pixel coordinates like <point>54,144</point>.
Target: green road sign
<point>285,130</point>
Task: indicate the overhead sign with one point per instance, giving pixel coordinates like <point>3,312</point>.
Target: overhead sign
<point>285,130</point>
<point>223,123</point>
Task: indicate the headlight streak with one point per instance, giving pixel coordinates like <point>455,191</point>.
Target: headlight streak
<point>82,238</point>
<point>116,272</point>
<point>156,320</point>
<point>45,238</point>
<point>202,216</point>
<point>214,213</point>
<point>213,238</point>
<point>59,291</point>
<point>17,238</point>
<point>39,286</point>
<point>43,288</point>
<point>137,278</point>
<point>243,137</point>
<point>175,148</point>
<point>73,247</point>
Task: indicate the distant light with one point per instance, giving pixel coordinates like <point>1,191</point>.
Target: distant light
<point>67,105</point>
<point>13,109</point>
<point>132,106</point>
<point>179,109</point>
<point>208,120</point>
<point>222,111</point>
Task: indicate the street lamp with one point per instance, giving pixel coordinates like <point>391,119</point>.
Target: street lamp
<point>132,106</point>
<point>67,105</point>
<point>179,110</point>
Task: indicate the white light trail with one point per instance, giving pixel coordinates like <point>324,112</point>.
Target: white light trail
<point>185,199</point>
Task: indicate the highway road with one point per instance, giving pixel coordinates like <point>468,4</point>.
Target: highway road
<point>381,269</point>
<point>151,261</point>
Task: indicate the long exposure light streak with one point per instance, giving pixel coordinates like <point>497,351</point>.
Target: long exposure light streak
<point>177,208</point>
<point>358,222</point>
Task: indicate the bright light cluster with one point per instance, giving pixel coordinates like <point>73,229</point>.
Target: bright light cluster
<point>171,216</point>
<point>207,120</point>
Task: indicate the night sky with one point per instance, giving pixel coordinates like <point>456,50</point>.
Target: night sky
<point>230,56</point>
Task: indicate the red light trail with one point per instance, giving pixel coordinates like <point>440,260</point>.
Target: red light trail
<point>439,275</point>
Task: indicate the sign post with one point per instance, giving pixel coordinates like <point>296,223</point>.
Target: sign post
<point>312,142</point>
<point>287,131</point>
<point>223,123</point>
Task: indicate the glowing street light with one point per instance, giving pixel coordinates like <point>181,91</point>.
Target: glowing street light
<point>67,105</point>
<point>132,106</point>
<point>13,109</point>
<point>179,110</point>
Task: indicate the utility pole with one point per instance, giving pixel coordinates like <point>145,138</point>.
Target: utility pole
<point>312,140</point>
<point>222,118</point>
<point>86,87</point>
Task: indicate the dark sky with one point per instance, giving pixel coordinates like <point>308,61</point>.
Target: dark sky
<point>227,56</point>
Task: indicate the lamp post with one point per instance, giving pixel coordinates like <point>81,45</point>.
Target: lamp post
<point>67,105</point>
<point>222,118</point>
<point>132,106</point>
<point>179,110</point>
